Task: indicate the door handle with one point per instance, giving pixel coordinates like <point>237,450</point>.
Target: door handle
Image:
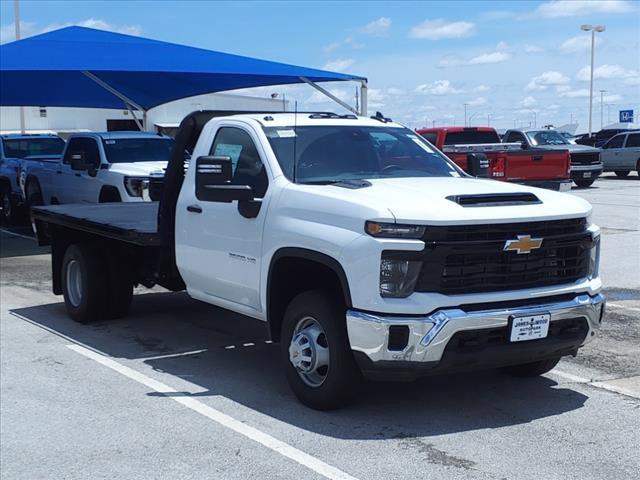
<point>194,209</point>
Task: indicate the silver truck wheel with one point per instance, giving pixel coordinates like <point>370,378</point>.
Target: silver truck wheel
<point>74,283</point>
<point>309,352</point>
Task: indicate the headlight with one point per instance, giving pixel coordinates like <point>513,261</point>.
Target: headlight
<point>398,276</point>
<point>594,258</point>
<point>135,186</point>
<point>394,230</point>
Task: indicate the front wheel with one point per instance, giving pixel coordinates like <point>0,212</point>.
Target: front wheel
<point>621,173</point>
<point>8,214</point>
<point>585,183</point>
<point>316,353</point>
<point>532,369</point>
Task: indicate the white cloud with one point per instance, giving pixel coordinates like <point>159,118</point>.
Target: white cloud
<point>347,42</point>
<point>339,65</point>
<point>318,97</point>
<point>481,88</point>
<point>578,8</point>
<point>546,79</point>
<point>502,46</point>
<point>476,102</point>
<point>494,57</point>
<point>562,88</point>
<point>612,98</point>
<point>580,93</point>
<point>533,49</point>
<point>528,102</point>
<point>376,27</point>
<point>395,91</point>
<point>607,72</point>
<point>28,29</point>
<point>578,44</point>
<point>440,28</point>
<point>439,87</point>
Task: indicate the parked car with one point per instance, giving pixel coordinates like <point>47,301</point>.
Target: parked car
<point>362,247</point>
<point>100,167</point>
<point>599,138</point>
<point>15,149</point>
<point>506,161</point>
<point>621,154</point>
<point>585,161</point>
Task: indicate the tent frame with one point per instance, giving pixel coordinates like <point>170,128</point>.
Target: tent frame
<point>131,104</point>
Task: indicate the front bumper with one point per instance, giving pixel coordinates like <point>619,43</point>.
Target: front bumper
<point>557,185</point>
<point>429,336</point>
<point>582,172</point>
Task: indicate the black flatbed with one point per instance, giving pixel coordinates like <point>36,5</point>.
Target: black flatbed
<point>131,222</point>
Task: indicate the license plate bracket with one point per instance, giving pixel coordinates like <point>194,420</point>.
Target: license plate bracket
<point>529,327</point>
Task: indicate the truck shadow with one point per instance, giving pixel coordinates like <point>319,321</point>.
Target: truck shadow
<point>227,355</point>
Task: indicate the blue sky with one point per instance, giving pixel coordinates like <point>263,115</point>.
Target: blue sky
<point>510,62</point>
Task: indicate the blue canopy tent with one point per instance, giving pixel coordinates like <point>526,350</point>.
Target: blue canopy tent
<point>83,67</point>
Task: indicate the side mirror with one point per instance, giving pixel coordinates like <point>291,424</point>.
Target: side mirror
<point>478,165</point>
<point>524,145</point>
<point>213,181</point>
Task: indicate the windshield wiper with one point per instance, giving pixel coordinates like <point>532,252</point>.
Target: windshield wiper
<point>320,182</point>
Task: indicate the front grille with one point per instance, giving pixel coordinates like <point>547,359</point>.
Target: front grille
<point>471,259</point>
<point>586,158</point>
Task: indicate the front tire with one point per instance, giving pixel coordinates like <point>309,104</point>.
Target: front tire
<point>621,173</point>
<point>532,369</point>
<point>315,350</point>
<point>8,214</point>
<point>585,183</point>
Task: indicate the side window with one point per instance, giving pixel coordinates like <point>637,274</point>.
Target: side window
<point>615,142</point>
<point>247,166</point>
<point>430,137</point>
<point>85,146</point>
<point>514,137</point>
<point>633,140</point>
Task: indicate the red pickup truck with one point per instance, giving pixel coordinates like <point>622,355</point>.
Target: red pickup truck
<point>507,161</point>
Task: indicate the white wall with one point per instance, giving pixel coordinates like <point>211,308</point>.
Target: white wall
<point>73,119</point>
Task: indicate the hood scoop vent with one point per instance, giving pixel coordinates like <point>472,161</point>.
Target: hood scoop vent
<point>495,199</point>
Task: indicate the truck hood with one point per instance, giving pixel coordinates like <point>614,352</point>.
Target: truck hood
<point>424,201</point>
<point>139,169</point>
<point>572,147</point>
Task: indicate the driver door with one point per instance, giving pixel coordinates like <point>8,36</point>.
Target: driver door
<point>219,247</point>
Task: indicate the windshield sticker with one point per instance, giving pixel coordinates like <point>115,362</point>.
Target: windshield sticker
<point>286,133</point>
<point>110,142</point>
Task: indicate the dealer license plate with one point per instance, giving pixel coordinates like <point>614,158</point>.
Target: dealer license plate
<point>530,327</point>
<point>586,175</point>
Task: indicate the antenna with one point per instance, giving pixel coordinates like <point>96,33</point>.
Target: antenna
<point>295,141</point>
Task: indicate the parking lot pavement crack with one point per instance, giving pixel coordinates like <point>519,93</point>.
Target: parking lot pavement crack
<point>434,455</point>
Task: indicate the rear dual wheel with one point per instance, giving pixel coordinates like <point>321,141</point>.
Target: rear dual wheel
<point>95,285</point>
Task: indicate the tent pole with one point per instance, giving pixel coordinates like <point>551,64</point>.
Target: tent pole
<point>363,98</point>
<point>128,102</point>
<point>135,119</point>
<point>329,94</point>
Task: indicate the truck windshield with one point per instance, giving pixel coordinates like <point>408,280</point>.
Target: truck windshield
<point>128,150</point>
<point>26,147</point>
<point>329,154</point>
<point>546,137</point>
<point>470,137</point>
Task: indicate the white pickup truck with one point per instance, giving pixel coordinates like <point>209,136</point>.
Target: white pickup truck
<point>99,167</point>
<point>364,249</point>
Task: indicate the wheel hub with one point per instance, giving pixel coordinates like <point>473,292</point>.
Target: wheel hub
<point>309,352</point>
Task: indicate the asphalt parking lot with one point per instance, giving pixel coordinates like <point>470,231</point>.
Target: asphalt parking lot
<point>183,390</point>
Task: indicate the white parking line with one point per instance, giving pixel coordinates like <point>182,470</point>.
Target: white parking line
<point>16,234</point>
<point>624,307</point>
<point>603,385</point>
<point>217,416</point>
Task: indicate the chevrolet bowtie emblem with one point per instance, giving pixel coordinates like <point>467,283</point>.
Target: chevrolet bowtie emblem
<point>524,244</point>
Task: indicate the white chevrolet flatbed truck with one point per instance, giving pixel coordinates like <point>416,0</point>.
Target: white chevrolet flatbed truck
<point>367,252</point>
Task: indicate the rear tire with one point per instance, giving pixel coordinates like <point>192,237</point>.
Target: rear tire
<point>585,183</point>
<point>622,173</point>
<point>84,283</point>
<point>532,369</point>
<point>8,214</point>
<point>314,327</point>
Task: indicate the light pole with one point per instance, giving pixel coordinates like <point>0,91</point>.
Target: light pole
<point>602,92</point>
<point>471,117</point>
<point>593,29</point>
<point>465,114</point>
<point>535,117</point>
<point>488,119</point>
